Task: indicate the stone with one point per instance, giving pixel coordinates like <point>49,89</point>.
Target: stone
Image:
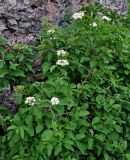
<point>27,1</point>
<point>2,26</point>
<point>11,2</point>
<point>24,24</point>
<point>12,22</point>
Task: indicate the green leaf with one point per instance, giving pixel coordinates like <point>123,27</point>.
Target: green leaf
<point>90,143</point>
<point>95,120</point>
<point>45,104</point>
<point>83,113</point>
<point>47,135</point>
<point>18,73</point>
<point>45,67</point>
<point>39,128</point>
<point>127,156</point>
<point>2,41</point>
<point>11,127</point>
<point>118,128</point>
<point>22,132</point>
<point>68,141</point>
<point>80,136</point>
<point>81,146</point>
<point>9,56</point>
<point>71,126</point>
<point>106,156</point>
<point>3,72</point>
<point>68,146</point>
<point>29,66</point>
<point>30,131</point>
<point>19,98</point>
<point>49,149</point>
<point>29,119</point>
<point>13,66</point>
<point>21,57</point>
<point>37,113</point>
<point>2,64</point>
<point>52,68</point>
<point>58,149</point>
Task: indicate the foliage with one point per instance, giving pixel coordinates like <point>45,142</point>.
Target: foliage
<point>92,120</point>
<point>15,64</point>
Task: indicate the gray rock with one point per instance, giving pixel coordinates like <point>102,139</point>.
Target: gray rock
<point>26,1</point>
<point>12,22</point>
<point>12,2</point>
<point>24,24</point>
<point>2,26</point>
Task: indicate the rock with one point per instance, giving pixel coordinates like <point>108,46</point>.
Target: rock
<point>11,2</point>
<point>24,24</point>
<point>27,1</point>
<point>2,26</point>
<point>12,22</point>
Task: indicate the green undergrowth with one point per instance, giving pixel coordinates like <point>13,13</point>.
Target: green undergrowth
<point>90,119</point>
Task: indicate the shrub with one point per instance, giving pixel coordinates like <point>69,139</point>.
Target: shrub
<point>80,105</point>
<point>15,64</point>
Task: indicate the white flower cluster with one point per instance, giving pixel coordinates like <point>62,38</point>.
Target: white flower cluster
<point>51,31</point>
<point>62,62</point>
<point>94,24</point>
<point>30,101</point>
<point>78,15</point>
<point>55,101</point>
<point>106,18</point>
<point>61,53</point>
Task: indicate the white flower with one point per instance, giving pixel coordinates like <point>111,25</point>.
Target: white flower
<point>106,18</point>
<point>61,53</point>
<point>62,62</point>
<point>78,15</point>
<point>51,31</point>
<point>30,101</point>
<point>55,101</point>
<point>94,24</point>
